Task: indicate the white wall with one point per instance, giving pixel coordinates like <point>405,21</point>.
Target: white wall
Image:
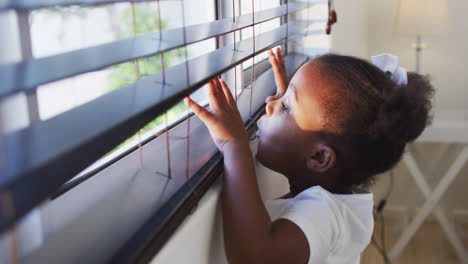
<point>364,29</point>
<point>444,58</point>
<point>349,34</point>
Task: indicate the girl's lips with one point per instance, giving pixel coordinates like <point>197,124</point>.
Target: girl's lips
<point>259,122</point>
<point>258,133</point>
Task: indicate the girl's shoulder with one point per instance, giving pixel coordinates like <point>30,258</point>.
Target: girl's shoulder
<point>318,192</point>
<point>343,223</point>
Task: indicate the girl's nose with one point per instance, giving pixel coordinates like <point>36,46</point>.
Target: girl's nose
<point>270,107</point>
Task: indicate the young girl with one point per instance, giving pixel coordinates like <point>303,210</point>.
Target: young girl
<point>339,122</point>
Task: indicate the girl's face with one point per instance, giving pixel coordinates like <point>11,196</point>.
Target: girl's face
<point>287,129</point>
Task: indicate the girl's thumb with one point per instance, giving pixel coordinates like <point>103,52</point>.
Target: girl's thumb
<point>272,98</point>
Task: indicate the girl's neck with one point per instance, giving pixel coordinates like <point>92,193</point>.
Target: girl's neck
<point>299,184</point>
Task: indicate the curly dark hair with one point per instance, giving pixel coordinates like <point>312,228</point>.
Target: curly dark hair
<point>371,115</point>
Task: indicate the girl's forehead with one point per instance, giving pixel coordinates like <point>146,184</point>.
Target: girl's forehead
<point>291,91</point>
<point>310,81</point>
<point>307,88</point>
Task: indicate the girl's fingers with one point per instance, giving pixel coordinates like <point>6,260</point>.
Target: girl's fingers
<point>272,98</point>
<point>270,53</point>
<point>281,62</point>
<point>274,64</point>
<point>279,56</point>
<point>271,56</point>
<point>201,112</point>
<point>219,91</point>
<point>227,93</point>
<point>213,95</point>
<point>277,62</point>
<point>279,75</point>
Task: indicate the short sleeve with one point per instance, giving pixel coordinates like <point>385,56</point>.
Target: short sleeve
<point>318,222</point>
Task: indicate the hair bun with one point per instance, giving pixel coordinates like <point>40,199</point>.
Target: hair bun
<point>405,111</point>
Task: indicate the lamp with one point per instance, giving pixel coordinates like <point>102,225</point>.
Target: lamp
<point>421,18</point>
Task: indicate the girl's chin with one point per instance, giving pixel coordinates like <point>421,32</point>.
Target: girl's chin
<point>267,164</point>
<point>259,156</point>
<point>262,159</point>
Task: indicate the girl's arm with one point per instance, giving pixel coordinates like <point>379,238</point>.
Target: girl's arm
<point>249,234</point>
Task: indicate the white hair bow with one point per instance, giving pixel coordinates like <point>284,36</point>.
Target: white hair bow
<point>389,63</point>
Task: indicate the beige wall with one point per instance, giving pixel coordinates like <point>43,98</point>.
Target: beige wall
<point>349,34</point>
<point>444,59</point>
<point>364,29</point>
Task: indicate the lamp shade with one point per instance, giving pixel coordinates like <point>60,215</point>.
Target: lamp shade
<point>421,17</point>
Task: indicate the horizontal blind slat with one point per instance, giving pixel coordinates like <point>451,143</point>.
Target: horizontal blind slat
<point>29,74</point>
<point>37,4</point>
<point>40,158</point>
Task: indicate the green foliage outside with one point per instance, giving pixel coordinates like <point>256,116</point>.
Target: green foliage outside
<point>125,73</point>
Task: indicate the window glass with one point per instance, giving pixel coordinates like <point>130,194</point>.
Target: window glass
<point>59,30</point>
<point>55,31</point>
<point>246,8</point>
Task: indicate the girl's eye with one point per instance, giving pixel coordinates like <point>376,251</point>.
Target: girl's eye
<point>285,108</point>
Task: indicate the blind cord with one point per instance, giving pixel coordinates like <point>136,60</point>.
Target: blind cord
<point>163,66</point>
<point>187,156</point>
<point>235,49</point>
<point>8,210</point>
<point>253,58</point>
<point>160,37</point>
<point>137,73</point>
<point>286,20</point>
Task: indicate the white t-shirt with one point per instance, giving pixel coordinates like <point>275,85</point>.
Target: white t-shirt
<point>338,227</point>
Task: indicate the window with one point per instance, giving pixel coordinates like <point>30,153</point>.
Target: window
<point>246,8</point>
<point>113,140</point>
<point>53,31</point>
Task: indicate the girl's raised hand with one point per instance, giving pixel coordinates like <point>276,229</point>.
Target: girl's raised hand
<point>223,120</point>
<point>281,78</point>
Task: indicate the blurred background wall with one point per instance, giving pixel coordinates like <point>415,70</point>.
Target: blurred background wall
<point>366,28</point>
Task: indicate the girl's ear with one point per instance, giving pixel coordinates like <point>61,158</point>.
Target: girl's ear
<point>321,159</point>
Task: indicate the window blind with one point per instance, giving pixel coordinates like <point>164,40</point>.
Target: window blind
<point>40,158</point>
<point>29,74</point>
